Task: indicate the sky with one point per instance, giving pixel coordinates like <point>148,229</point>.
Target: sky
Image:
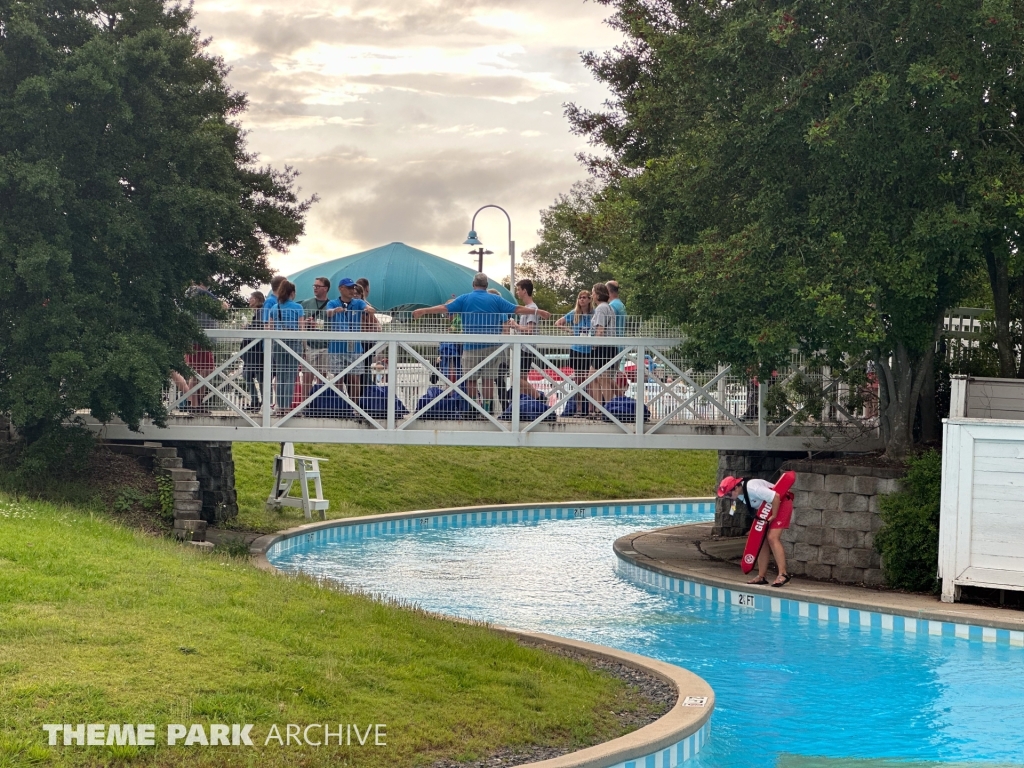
<point>406,116</point>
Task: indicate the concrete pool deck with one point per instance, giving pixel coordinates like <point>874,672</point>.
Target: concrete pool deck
<point>674,552</point>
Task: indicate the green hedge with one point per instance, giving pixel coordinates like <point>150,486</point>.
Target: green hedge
<point>909,540</point>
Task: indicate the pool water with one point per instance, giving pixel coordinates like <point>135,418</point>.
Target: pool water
<point>790,692</point>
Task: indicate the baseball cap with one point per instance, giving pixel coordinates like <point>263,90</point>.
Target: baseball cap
<point>727,484</point>
<point>348,282</point>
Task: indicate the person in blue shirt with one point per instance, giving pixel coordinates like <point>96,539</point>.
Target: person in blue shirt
<point>616,303</point>
<point>481,313</point>
<point>284,315</point>
<point>346,314</point>
<point>275,283</point>
<point>579,354</point>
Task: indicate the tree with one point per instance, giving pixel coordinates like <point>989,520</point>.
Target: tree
<point>573,247</point>
<point>810,175</point>
<point>124,178</point>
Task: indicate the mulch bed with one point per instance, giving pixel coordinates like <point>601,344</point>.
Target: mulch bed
<point>128,490</point>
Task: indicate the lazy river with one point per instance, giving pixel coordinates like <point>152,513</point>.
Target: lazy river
<point>791,691</point>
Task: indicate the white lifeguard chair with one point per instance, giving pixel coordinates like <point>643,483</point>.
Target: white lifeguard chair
<point>289,469</point>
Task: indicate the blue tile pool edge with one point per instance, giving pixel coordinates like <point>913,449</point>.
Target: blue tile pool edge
<point>650,576</point>
<point>666,757</point>
<point>328,531</point>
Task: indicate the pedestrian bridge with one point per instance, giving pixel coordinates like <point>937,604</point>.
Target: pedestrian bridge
<point>407,387</point>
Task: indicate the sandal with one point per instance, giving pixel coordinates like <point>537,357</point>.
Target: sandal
<point>783,580</point>
<point>758,580</point>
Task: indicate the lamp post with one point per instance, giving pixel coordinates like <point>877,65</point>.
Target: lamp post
<point>472,240</point>
<point>480,253</point>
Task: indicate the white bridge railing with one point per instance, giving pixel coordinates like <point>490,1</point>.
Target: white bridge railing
<point>414,383</point>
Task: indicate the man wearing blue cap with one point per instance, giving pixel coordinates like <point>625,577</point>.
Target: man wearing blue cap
<point>346,314</point>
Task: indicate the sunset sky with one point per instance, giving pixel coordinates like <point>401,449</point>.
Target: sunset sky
<point>405,116</point>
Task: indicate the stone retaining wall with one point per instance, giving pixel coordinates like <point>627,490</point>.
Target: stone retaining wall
<point>214,469</point>
<point>835,518</point>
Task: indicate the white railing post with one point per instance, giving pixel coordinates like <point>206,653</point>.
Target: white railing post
<point>762,422</point>
<point>513,368</point>
<point>722,398</point>
<point>957,396</point>
<point>641,389</point>
<point>267,385</point>
<point>392,381</point>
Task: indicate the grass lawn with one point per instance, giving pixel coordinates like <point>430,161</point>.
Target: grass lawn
<point>101,624</point>
<point>365,480</point>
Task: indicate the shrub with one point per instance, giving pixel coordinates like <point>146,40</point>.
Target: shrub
<point>909,539</point>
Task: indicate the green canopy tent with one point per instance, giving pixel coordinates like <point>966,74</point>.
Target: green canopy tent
<point>401,278</point>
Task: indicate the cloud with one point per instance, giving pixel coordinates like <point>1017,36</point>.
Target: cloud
<point>405,116</point>
<point>286,33</point>
<point>511,88</point>
<point>428,200</point>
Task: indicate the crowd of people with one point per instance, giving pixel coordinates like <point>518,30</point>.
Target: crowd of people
<point>350,311</point>
<point>599,313</point>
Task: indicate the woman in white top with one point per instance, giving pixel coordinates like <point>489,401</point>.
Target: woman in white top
<point>603,324</point>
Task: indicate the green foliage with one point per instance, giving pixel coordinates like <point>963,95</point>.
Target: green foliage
<point>573,248</point>
<point>165,492</point>
<point>61,449</point>
<point>124,178</point>
<point>128,498</point>
<point>819,176</point>
<point>909,540</point>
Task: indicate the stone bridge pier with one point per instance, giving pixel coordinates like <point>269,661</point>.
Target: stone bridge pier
<point>214,466</point>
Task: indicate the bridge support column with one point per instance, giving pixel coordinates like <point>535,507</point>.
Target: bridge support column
<point>215,470</point>
<point>764,465</point>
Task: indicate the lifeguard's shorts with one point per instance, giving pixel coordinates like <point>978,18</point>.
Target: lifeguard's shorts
<point>785,515</point>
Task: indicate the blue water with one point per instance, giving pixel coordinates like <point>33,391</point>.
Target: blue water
<point>790,692</point>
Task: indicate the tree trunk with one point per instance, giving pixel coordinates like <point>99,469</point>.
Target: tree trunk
<point>999,279</point>
<point>903,378</point>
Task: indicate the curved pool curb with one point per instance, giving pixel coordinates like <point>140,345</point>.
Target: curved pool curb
<point>792,601</point>
<point>676,736</point>
<point>259,547</point>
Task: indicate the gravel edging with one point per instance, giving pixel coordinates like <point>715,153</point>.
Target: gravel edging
<point>656,696</point>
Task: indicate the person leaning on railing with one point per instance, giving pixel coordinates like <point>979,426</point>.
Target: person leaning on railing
<point>370,325</point>
<point>285,315</point>
<point>315,350</point>
<point>252,359</point>
<point>481,313</point>
<point>345,314</point>
<point>579,354</point>
<point>527,327</point>
<point>604,324</point>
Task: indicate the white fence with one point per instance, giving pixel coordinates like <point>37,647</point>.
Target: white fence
<point>422,383</point>
<point>981,526</point>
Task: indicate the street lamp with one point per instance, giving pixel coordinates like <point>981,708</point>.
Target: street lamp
<point>473,240</point>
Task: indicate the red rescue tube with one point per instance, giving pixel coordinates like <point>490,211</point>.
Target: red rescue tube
<point>759,530</point>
